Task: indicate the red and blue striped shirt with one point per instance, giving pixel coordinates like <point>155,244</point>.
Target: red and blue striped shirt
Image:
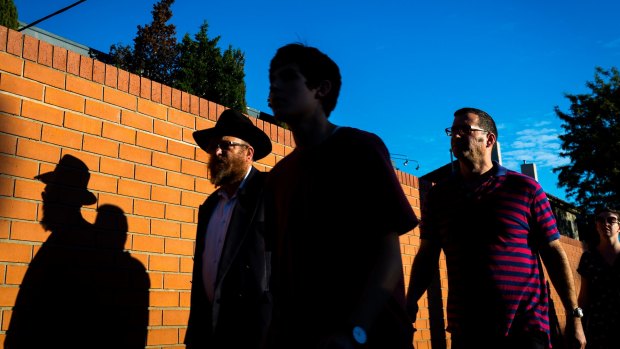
<point>490,234</point>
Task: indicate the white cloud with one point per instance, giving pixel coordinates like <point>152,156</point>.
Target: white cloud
<point>537,145</point>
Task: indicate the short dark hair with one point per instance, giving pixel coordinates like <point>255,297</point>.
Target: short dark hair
<point>602,209</point>
<point>315,66</point>
<point>486,121</point>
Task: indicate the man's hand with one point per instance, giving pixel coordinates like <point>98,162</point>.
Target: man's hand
<point>575,335</point>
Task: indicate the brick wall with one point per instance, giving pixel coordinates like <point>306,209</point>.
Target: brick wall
<point>134,135</point>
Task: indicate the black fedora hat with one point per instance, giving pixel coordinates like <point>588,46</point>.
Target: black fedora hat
<point>234,124</point>
<point>72,174</point>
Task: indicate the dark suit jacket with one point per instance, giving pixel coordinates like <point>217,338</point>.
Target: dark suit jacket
<point>241,310</point>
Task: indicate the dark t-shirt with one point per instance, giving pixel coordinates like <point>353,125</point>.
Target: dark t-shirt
<point>329,206</point>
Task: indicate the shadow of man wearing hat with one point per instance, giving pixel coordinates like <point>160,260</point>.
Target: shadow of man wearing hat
<point>71,292</point>
<point>230,299</point>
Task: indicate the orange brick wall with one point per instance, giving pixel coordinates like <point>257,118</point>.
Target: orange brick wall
<point>135,137</point>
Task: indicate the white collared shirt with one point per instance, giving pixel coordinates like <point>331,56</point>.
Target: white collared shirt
<point>216,237</point>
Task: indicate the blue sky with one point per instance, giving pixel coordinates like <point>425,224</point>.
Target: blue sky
<point>406,65</point>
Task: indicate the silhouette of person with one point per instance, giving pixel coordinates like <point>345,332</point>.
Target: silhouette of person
<point>335,210</point>
<point>73,291</point>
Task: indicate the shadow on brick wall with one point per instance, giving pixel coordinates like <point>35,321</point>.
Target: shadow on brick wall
<point>81,290</point>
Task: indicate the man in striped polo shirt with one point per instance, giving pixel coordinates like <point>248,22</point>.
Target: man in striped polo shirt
<point>492,223</point>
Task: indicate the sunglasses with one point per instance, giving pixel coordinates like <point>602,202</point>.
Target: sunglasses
<point>608,219</point>
<point>224,145</point>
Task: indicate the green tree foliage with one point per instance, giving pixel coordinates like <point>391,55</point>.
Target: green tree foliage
<point>207,72</point>
<point>155,52</point>
<point>8,14</point>
<point>592,142</point>
<point>196,66</point>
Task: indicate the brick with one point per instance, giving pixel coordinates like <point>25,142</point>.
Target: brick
<point>111,76</point>
<point>44,75</point>
<point>119,98</point>
<point>64,99</point>
<point>28,231</point>
<point>204,186</point>
<point>181,149</point>
<point>191,199</point>
<point>39,151</point>
<point>3,37</point>
<point>73,63</point>
<point>188,231</point>
<point>18,167</point>
<point>148,209</point>
<point>31,48</point>
<point>84,87</point>
<point>135,154</point>
<point>155,316</point>
<point>103,183</point>
<point>203,107</point>
<point>119,133</point>
<point>45,53</point>
<point>167,129</point>
<point>214,111</point>
<point>152,109</point>
<point>148,243</point>
<point>8,144</point>
<point>187,264</point>
<point>14,43</point>
<point>181,181</point>
<point>7,186</point>
<point>194,168</point>
<point>185,300</point>
<point>166,161</point>
<point>103,111</point>
<point>60,58</point>
<point>86,67</point>
<point>165,228</point>
<point>139,225</point>
<point>163,263</point>
<point>166,95</point>
<point>8,295</point>
<point>100,146</point>
<point>18,209</point>
<point>150,141</point>
<point>123,80</point>
<point>180,213</point>
<point>175,317</point>
<point>145,88</point>
<point>124,203</point>
<point>188,136</point>
<point>182,247</point>
<point>98,72</point>
<point>162,336</point>
<point>185,101</point>
<point>42,112</point>
<point>194,106</point>
<point>156,92</point>
<point>15,273</point>
<point>134,84</point>
<point>84,124</point>
<point>62,137</point>
<point>117,167</point>
<point>150,175</point>
<point>176,99</point>
<point>165,194</point>
<point>21,86</point>
<point>136,120</point>
<point>10,63</point>
<point>10,105</point>
<point>180,118</point>
<point>134,189</point>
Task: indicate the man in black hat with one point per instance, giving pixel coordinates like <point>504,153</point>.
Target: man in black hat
<point>230,301</point>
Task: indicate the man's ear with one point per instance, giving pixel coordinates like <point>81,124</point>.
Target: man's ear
<point>251,153</point>
<point>491,139</point>
<point>324,88</point>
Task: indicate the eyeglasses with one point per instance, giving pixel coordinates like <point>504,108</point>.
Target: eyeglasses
<point>225,145</point>
<point>608,220</point>
<point>462,130</point>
